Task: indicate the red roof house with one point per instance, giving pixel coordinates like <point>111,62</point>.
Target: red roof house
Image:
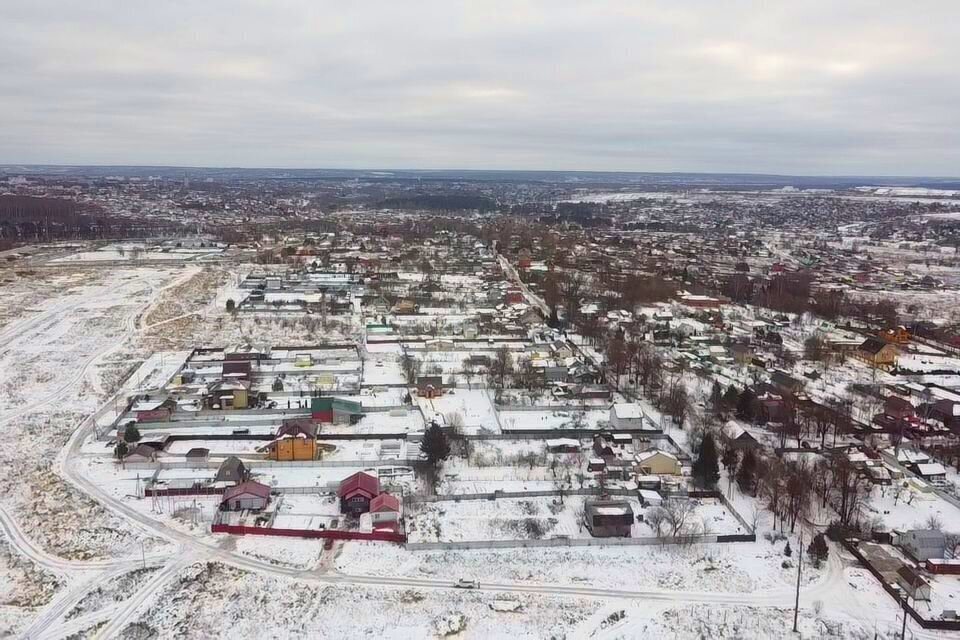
<point>357,492</point>
<point>246,495</point>
<point>385,507</point>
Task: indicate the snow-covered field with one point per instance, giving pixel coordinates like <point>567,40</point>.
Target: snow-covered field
<point>735,567</point>
<point>210,600</point>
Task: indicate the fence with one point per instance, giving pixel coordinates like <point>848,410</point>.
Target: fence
<point>330,534</point>
<point>256,464</point>
<point>948,625</point>
<point>494,495</point>
<point>567,542</point>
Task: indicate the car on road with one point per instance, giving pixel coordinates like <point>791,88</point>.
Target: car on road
<point>463,583</point>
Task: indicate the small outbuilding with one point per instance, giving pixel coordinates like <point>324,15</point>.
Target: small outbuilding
<point>608,518</point>
<point>385,508</point>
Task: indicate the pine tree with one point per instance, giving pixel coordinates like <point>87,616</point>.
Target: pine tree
<point>706,469</point>
<point>731,462</point>
<point>716,398</point>
<point>745,409</point>
<point>730,397</point>
<point>788,550</point>
<point>435,445</point>
<point>746,474</point>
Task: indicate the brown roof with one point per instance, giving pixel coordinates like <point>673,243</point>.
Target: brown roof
<point>250,486</point>
<point>872,346</point>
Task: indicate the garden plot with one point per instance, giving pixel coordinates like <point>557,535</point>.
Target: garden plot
<point>382,371</point>
<point>549,419</point>
<point>216,447</point>
<point>296,553</point>
<point>911,509</point>
<point>504,519</point>
<point>944,596</point>
<point>210,600</point>
<point>927,363</point>
<point>307,512</point>
<point>475,406</point>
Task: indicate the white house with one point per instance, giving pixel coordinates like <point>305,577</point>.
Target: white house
<point>626,415</point>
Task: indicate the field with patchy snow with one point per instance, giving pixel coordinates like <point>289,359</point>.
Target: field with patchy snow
<point>210,600</point>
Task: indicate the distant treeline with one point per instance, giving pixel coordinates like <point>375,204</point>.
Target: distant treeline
<point>444,202</point>
<point>25,219</point>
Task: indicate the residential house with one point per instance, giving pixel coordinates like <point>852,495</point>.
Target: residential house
<point>947,412</point>
<point>232,470</point>
<point>608,518</point>
<point>154,411</point>
<point>246,495</point>
<point>229,394</point>
<point>385,508</point>
<point>932,472</point>
<point>237,369</point>
<point>657,462</point>
<point>922,544</point>
<point>429,386</point>
<point>785,383</point>
<point>356,492</point>
<point>563,445</point>
<point>295,439</point>
<point>877,353</point>
<point>739,438</point>
<point>626,415</point>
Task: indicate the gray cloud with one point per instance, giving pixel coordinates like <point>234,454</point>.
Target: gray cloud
<point>701,86</point>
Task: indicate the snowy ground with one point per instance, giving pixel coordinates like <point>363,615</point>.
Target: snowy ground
<point>214,601</point>
<point>736,567</point>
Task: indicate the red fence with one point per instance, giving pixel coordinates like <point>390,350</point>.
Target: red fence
<point>381,536</point>
<point>184,492</point>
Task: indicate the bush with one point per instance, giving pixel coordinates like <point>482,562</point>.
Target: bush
<point>231,305</point>
<point>131,433</point>
<point>787,550</point>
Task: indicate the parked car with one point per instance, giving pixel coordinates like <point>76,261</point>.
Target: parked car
<point>463,583</point>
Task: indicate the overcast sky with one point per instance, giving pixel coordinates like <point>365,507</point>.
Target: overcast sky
<point>777,87</point>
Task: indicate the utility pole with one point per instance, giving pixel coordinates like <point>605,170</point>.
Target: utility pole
<point>903,630</point>
<point>796,604</point>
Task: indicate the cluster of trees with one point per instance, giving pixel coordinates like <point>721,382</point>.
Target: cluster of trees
<point>26,219</point>
<point>792,489</point>
<point>440,202</point>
